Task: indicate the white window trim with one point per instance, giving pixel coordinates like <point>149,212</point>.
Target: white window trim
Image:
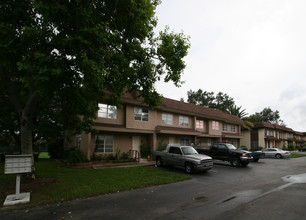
<point>108,113</point>
<point>183,121</point>
<point>200,124</point>
<point>167,118</point>
<point>104,146</point>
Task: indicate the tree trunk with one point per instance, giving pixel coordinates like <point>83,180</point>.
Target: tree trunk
<point>26,139</point>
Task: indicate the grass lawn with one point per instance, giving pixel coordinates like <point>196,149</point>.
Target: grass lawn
<point>294,155</point>
<point>57,183</point>
<point>44,155</point>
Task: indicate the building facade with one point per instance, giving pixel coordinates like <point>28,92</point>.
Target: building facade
<point>135,125</point>
<point>267,135</point>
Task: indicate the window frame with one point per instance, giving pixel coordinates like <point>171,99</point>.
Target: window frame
<point>105,111</point>
<point>215,125</point>
<point>105,144</point>
<point>224,127</point>
<point>78,142</point>
<point>182,121</point>
<point>233,128</point>
<point>167,118</point>
<point>200,124</point>
<point>141,115</point>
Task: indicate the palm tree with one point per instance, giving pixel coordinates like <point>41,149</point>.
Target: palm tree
<point>235,110</point>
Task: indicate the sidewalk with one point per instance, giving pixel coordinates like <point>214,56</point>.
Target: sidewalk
<point>142,162</point>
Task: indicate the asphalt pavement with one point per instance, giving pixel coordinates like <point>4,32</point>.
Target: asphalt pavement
<point>270,189</point>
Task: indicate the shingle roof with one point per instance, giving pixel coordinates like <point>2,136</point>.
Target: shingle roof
<point>175,106</point>
<point>272,126</point>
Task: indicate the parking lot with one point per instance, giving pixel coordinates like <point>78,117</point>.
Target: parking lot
<point>269,189</point>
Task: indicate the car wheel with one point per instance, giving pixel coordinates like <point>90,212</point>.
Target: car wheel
<point>256,159</point>
<point>235,162</point>
<point>188,168</point>
<point>159,162</point>
<point>244,164</point>
<point>278,156</point>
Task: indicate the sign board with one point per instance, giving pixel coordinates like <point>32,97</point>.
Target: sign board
<point>18,164</point>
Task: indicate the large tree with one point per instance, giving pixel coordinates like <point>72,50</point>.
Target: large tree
<point>59,57</point>
<point>267,115</point>
<point>220,101</point>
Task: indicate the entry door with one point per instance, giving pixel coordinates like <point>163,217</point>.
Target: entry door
<point>136,143</point>
<point>171,140</point>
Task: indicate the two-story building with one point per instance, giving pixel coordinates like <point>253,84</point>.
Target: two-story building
<point>135,124</point>
<point>267,135</point>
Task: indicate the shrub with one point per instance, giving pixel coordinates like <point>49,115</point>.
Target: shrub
<point>291,147</point>
<point>161,146</point>
<point>76,156</point>
<point>124,156</point>
<point>97,157</point>
<point>145,151</point>
<point>56,150</point>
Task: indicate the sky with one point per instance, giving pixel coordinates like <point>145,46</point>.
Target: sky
<point>252,50</point>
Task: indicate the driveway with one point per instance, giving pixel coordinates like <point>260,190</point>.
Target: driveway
<point>270,189</point>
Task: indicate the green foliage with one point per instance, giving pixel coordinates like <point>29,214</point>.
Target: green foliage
<point>124,156</point>
<point>145,151</point>
<point>59,57</point>
<point>291,147</point>
<point>55,150</point>
<point>267,115</point>
<point>76,156</point>
<point>161,146</point>
<point>219,101</point>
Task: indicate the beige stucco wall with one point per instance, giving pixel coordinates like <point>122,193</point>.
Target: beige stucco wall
<point>261,138</point>
<point>146,125</point>
<point>246,140</point>
<point>118,121</point>
<point>214,132</point>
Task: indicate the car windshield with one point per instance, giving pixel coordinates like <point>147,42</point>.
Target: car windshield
<point>231,147</point>
<point>189,150</point>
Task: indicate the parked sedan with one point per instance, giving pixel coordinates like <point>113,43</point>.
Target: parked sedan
<point>275,152</point>
<point>256,154</point>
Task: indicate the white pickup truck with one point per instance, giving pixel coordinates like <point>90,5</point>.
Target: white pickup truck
<point>184,157</point>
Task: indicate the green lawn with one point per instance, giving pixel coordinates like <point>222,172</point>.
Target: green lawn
<point>294,155</point>
<point>71,184</point>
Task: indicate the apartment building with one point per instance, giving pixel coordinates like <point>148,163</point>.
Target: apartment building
<point>134,125</point>
<point>267,135</point>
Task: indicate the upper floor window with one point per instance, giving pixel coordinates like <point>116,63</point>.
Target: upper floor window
<point>141,114</point>
<point>105,144</point>
<point>200,124</point>
<point>215,125</point>
<point>184,121</point>
<point>233,128</point>
<point>224,127</point>
<point>167,118</point>
<point>107,111</point>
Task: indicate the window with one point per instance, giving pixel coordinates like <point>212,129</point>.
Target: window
<point>167,118</point>
<point>105,144</point>
<point>215,125</point>
<point>141,114</point>
<point>184,121</point>
<point>107,111</point>
<point>184,141</point>
<point>78,140</point>
<point>224,127</point>
<point>233,128</point>
<point>200,124</point>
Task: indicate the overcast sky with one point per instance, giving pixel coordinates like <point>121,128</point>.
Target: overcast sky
<point>252,50</point>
